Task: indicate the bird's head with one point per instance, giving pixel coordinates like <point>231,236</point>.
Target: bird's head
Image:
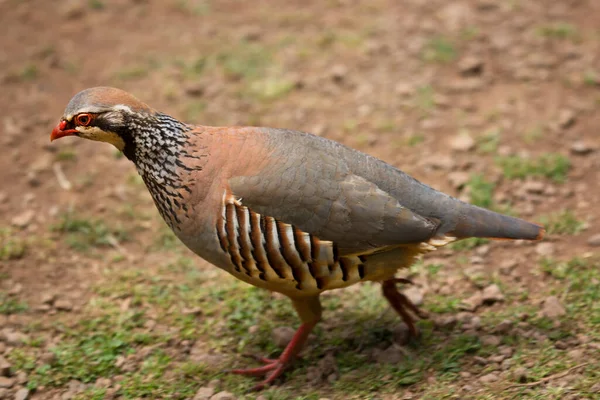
<point>104,114</point>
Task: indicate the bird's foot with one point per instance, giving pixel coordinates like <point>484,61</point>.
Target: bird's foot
<point>273,369</point>
<point>402,304</point>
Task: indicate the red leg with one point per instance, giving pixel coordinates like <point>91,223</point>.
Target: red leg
<point>401,303</point>
<point>309,310</point>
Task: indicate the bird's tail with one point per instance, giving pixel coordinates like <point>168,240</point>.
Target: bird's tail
<point>473,221</point>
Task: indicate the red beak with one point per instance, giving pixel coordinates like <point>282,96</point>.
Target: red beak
<point>60,131</point>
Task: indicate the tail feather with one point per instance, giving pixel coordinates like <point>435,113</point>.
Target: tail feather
<point>473,221</point>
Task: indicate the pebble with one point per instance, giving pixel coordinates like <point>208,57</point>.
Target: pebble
<point>581,148</point>
<point>473,302</point>
<point>503,327</point>
<point>63,305</point>
<point>414,294</point>
<point>22,394</point>
<point>552,308</point>
<point>282,335</point>
<point>536,187</point>
<point>339,72</point>
<point>223,396</point>
<point>492,294</point>
<point>566,119</point>
<point>23,219</point>
<point>204,393</point>
<point>470,65</point>
<point>594,240</point>
<point>401,334</point>
<point>4,367</point>
<point>520,374</point>
<point>462,142</point>
<point>545,249</point>
<point>576,354</point>
<point>458,179</point>
<point>489,378</point>
<point>391,355</point>
<point>6,382</point>
<point>14,338</point>
<point>490,340</point>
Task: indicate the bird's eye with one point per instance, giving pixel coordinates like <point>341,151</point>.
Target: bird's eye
<point>83,119</point>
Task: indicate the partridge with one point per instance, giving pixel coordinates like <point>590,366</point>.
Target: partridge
<point>283,210</point>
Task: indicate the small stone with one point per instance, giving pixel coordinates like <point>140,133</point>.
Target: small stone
<point>391,355</point>
<point>48,298</point>
<point>103,383</point>
<point>223,396</point>
<point>22,378</point>
<point>552,308</point>
<point>462,142</point>
<point>489,378</point>
<point>576,354</point>
<point>63,305</point>
<point>480,360</point>
<point>566,119</point>
<point>492,294</point>
<point>401,334</point>
<point>282,335</point>
<point>595,388</point>
<point>14,338</point>
<point>520,374</point>
<point>506,351</point>
<point>4,367</point>
<point>439,161</point>
<point>470,65</point>
<point>536,187</point>
<point>545,249</point>
<point>497,359</point>
<point>73,9</point>
<point>473,302</point>
<point>581,148</point>
<point>204,393</point>
<point>594,240</point>
<point>47,358</point>
<point>503,327</point>
<point>22,394</point>
<point>195,89</point>
<point>23,219</point>
<point>458,179</point>
<point>339,72</point>
<point>446,321</point>
<point>490,340</point>
<point>414,294</point>
<point>507,266</point>
<point>6,382</point>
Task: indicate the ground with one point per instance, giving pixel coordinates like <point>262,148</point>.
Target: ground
<point>494,102</point>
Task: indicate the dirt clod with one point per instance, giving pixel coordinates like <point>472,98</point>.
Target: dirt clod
<point>204,393</point>
<point>552,308</point>
<point>492,294</point>
<point>282,335</point>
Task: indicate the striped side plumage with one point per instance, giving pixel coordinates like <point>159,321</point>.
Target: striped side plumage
<point>266,249</point>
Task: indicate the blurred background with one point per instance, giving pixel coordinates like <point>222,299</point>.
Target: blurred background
<point>496,102</point>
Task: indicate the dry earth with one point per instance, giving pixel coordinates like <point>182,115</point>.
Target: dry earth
<point>496,102</point>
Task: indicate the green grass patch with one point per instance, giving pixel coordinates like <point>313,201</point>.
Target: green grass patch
<point>559,30</point>
<point>550,165</point>
<point>11,305</point>
<point>83,233</point>
<point>440,50</point>
<point>12,247</point>
<point>563,222</point>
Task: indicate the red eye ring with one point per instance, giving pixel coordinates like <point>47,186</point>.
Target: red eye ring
<point>83,119</point>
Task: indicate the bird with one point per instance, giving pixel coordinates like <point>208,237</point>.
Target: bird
<point>284,210</point>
